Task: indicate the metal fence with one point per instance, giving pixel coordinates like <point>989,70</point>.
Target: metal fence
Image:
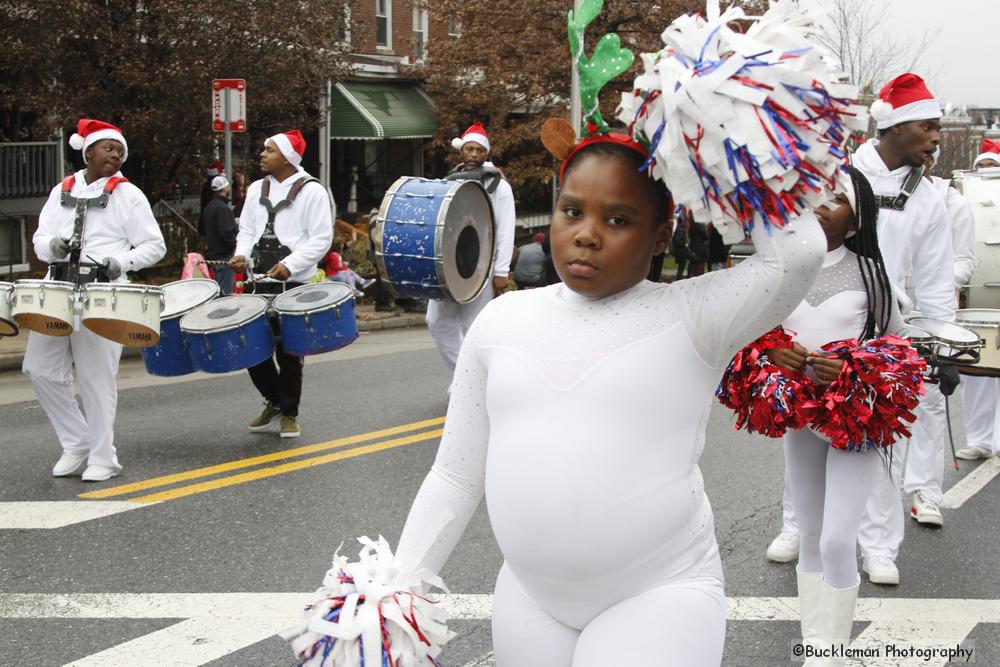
<point>534,220</point>
<point>28,169</point>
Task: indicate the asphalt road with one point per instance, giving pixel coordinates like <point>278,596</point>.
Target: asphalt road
<point>186,561</point>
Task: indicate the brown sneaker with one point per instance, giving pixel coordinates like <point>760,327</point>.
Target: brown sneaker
<point>290,427</point>
<point>263,423</point>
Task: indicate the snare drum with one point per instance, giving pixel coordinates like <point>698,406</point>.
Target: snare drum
<point>948,341</point>
<point>44,306</point>
<point>434,239</point>
<point>169,357</point>
<point>8,327</point>
<point>316,318</point>
<point>985,322</point>
<point>228,334</point>
<point>123,313</point>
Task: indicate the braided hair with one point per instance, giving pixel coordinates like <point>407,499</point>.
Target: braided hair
<point>864,244</point>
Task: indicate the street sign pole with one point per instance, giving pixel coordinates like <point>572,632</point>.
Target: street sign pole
<point>229,135</point>
<point>574,106</point>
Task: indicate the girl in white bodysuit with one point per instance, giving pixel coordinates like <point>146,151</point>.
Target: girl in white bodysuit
<point>851,298</point>
<point>579,410</point>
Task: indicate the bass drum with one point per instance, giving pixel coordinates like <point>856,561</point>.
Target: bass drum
<point>433,239</point>
<point>981,189</point>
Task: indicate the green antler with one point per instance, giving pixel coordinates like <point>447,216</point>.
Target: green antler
<point>608,61</point>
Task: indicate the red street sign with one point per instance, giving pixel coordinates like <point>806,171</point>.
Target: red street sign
<point>236,90</point>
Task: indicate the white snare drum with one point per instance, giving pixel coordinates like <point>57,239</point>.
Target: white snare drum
<point>986,323</point>
<point>44,306</point>
<point>126,314</point>
<point>8,327</point>
<point>947,341</point>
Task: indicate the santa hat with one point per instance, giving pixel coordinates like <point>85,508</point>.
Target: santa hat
<point>90,131</point>
<point>476,133</point>
<point>989,150</point>
<point>904,99</point>
<point>214,169</point>
<point>291,144</point>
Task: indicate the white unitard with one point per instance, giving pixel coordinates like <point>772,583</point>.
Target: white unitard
<point>829,487</point>
<point>582,421</point>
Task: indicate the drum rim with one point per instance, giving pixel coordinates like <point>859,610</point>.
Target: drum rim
<point>231,327</point>
<point>42,282</point>
<point>958,345</point>
<point>124,287</point>
<point>215,295</point>
<point>348,296</point>
<point>992,324</point>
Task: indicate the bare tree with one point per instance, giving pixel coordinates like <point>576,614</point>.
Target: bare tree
<point>868,53</point>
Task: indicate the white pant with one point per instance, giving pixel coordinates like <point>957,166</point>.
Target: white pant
<point>448,322</point>
<point>49,362</point>
<point>979,401</point>
<point>682,624</point>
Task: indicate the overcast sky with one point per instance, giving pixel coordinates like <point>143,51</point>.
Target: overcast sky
<point>966,55</point>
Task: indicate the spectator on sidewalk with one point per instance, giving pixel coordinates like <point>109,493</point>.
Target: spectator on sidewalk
<point>530,268</point>
<point>220,233</point>
<point>679,249</point>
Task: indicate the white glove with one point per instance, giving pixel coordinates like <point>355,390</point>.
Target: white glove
<point>59,248</point>
<point>112,268</point>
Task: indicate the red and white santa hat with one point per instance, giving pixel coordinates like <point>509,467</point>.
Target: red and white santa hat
<point>904,99</point>
<point>292,146</point>
<point>89,131</point>
<point>215,168</point>
<point>476,133</point>
<point>989,150</point>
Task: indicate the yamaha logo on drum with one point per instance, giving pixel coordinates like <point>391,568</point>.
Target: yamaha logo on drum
<point>140,336</point>
<point>56,326</point>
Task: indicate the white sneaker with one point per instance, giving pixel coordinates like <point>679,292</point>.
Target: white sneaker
<point>881,570</point>
<point>95,473</point>
<point>69,464</point>
<point>784,548</point>
<point>971,454</point>
<point>925,510</point>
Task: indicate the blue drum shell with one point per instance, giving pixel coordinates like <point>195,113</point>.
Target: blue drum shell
<point>415,276</point>
<point>318,332</point>
<point>234,349</point>
<point>169,357</point>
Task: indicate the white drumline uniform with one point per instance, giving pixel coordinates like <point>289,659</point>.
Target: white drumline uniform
<point>306,227</point>
<point>127,231</point>
<point>589,461</point>
<point>916,245</point>
<point>448,321</point>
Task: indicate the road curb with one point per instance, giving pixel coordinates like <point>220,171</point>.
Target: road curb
<point>12,361</point>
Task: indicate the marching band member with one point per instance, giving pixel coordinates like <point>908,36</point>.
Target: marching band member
<point>449,321</point>
<point>286,229</point>
<point>122,236</point>
<point>980,394</point>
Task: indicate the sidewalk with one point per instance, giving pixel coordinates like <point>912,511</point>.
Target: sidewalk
<point>12,347</point>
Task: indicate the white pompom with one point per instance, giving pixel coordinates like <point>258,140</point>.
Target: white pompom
<point>76,142</point>
<point>456,143</point>
<point>881,110</point>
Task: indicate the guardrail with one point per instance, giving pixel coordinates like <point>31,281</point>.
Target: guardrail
<point>28,168</point>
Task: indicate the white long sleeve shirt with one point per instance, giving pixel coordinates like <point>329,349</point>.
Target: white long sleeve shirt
<point>963,230</point>
<point>305,227</point>
<point>505,218</point>
<point>915,242</point>
<point>126,230</point>
<point>589,460</point>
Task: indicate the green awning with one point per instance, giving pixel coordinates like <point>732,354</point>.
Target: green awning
<point>380,110</point>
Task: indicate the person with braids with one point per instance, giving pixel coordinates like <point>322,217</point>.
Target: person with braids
<point>851,298</point>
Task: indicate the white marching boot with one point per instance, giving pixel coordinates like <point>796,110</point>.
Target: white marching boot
<point>834,620</point>
<point>810,589</point>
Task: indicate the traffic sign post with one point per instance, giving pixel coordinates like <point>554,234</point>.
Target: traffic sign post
<point>229,105</point>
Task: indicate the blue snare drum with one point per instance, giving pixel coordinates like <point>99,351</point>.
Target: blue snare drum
<point>228,334</point>
<point>434,239</point>
<point>169,357</point>
<point>316,318</point>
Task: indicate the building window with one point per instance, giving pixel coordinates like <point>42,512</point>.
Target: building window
<point>383,23</point>
<point>454,27</point>
<point>420,23</point>
<point>12,245</point>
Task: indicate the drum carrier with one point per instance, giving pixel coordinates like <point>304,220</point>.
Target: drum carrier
<point>268,250</point>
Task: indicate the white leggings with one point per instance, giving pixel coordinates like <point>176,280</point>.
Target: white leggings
<point>829,490</point>
<point>681,624</point>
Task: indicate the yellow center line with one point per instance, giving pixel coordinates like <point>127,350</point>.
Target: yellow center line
<point>263,473</point>
<point>165,480</point>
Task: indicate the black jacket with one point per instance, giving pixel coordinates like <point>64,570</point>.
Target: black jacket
<point>220,229</point>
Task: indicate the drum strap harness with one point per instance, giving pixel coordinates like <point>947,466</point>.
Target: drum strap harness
<point>269,250</point>
<point>489,176</point>
<point>910,185</point>
<point>81,204</point>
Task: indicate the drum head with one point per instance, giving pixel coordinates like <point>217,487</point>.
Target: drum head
<point>225,313</point>
<point>948,333</point>
<point>466,246</point>
<point>183,296</point>
<point>314,297</point>
<point>974,316</point>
